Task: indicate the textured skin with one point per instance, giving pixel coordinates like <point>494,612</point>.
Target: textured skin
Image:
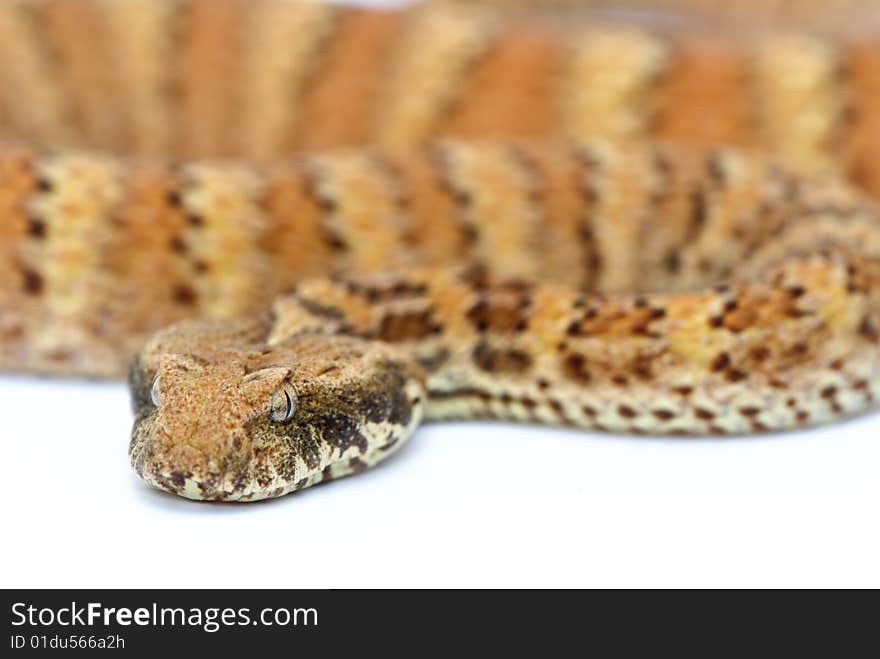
<point>261,78</point>
<point>758,310</point>
<point>576,248</point>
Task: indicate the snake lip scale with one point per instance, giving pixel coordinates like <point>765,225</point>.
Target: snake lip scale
<point>304,230</point>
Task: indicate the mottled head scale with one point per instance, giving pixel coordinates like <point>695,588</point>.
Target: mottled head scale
<point>240,423</point>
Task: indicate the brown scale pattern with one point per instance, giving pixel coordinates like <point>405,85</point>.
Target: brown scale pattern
<point>490,74</point>
<point>670,284</point>
<point>219,240</point>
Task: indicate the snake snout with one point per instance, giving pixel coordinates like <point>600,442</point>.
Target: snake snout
<point>205,470</point>
<point>191,438</point>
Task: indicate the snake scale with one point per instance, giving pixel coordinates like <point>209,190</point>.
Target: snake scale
<point>304,228</point>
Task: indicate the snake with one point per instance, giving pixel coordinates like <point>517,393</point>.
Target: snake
<point>302,229</point>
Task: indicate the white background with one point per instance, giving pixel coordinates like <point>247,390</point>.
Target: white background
<point>462,505</point>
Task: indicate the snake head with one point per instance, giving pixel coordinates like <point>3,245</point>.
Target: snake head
<point>221,415</point>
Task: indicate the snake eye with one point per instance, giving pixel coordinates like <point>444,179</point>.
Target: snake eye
<point>283,404</point>
<point>154,391</point>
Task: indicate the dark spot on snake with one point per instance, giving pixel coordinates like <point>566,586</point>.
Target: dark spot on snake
<point>195,220</point>
<point>868,331</point>
<point>828,392</point>
<point>320,310</point>
<point>642,367</point>
<point>173,198</point>
<point>750,411</point>
<point>341,432</point>
<point>433,362</point>
<point>183,294</point>
<point>720,362</point>
<point>357,465</point>
<point>36,228</point>
<point>335,242</point>
<point>377,405</point>
<point>759,353</point>
<point>392,441</point>
<point>500,360</point>
<point>672,262</point>
<point>704,414</point>
<point>409,326</point>
<point>401,409</point>
<point>177,245</point>
<point>575,367</point>
<point>33,282</point>
<point>735,375</point>
<point>698,207</point>
<point>590,192</point>
<point>663,415</point>
<point>799,348</point>
<point>469,233</point>
<point>626,411</point>
<point>326,203</point>
<point>471,392</point>
<point>44,185</point>
<point>499,316</point>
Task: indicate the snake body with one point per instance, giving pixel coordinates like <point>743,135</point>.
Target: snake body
<point>594,222</point>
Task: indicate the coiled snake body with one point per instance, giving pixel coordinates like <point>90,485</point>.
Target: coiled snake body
<point>679,252</point>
